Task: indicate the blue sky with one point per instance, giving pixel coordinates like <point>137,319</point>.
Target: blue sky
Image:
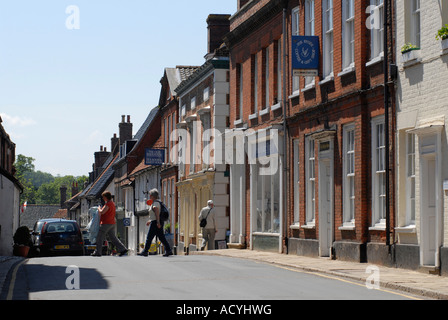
<point>62,92</point>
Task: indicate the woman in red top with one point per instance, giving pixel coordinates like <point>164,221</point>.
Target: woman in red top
<point>107,226</point>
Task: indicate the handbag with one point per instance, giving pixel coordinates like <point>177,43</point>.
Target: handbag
<point>203,223</point>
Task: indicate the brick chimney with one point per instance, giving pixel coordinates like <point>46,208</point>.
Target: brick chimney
<point>100,158</point>
<point>75,189</point>
<point>125,128</point>
<point>114,144</point>
<point>63,191</point>
<point>218,27</point>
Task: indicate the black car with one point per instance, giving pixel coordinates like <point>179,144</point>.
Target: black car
<point>58,237</point>
<point>89,248</point>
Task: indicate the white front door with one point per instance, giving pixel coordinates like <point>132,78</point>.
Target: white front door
<point>326,202</point>
<point>428,212</point>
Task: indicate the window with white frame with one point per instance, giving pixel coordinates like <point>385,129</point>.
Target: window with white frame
<point>327,9</point>
<point>266,77</point>
<point>410,179</point>
<point>415,22</point>
<point>206,94</point>
<point>255,89</point>
<point>349,174</point>
<point>279,71</point>
<point>295,32</point>
<point>296,182</point>
<point>310,182</point>
<point>378,172</point>
<point>240,92</point>
<point>444,12</point>
<point>348,34</point>
<point>309,30</point>
<point>377,31</point>
<point>191,129</point>
<point>193,103</point>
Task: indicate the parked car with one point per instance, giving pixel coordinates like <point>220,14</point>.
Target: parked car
<point>58,237</point>
<point>89,248</point>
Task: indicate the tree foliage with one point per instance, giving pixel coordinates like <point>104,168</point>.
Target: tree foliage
<point>42,187</point>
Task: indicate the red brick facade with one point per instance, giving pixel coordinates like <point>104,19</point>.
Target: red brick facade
<point>353,97</point>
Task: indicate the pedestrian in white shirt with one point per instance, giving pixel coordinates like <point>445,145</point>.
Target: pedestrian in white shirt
<point>209,228</point>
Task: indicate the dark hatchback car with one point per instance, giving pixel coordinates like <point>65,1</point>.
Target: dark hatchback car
<point>58,237</point>
<point>89,248</point>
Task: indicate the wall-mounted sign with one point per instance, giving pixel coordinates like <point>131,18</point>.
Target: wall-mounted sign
<point>305,55</point>
<point>154,157</point>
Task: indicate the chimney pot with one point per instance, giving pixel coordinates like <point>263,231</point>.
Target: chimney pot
<point>129,119</point>
<point>122,118</point>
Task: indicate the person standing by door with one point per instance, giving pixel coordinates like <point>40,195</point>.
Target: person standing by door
<point>107,227</point>
<point>208,223</point>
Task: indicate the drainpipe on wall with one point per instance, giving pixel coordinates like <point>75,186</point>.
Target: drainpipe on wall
<point>386,115</point>
<point>285,136</point>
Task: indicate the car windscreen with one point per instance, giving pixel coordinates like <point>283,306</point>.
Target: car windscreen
<point>60,227</point>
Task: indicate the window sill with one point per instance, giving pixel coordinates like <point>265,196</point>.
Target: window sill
<point>310,226</point>
<point>295,226</point>
<point>376,60</point>
<point>295,95</point>
<point>327,80</point>
<point>347,71</point>
<point>253,116</point>
<point>406,229</point>
<point>378,227</point>
<point>309,87</point>
<point>276,106</point>
<point>347,228</point>
<point>238,122</point>
<point>264,111</point>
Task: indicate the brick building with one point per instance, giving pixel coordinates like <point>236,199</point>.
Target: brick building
<point>257,205</point>
<point>334,201</point>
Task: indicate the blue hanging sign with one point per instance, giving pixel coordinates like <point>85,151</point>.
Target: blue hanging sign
<point>154,157</point>
<point>305,55</point>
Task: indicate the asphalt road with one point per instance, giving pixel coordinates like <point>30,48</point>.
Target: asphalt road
<point>178,278</point>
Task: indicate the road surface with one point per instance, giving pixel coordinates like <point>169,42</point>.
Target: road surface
<point>177,278</point>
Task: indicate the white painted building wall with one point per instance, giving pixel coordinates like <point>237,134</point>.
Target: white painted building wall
<point>422,109</point>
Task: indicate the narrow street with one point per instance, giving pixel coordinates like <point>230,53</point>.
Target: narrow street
<point>178,278</point>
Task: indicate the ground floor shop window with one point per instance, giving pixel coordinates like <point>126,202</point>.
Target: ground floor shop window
<point>268,201</point>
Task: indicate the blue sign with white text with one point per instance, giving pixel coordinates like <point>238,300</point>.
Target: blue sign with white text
<point>154,157</point>
<point>305,52</point>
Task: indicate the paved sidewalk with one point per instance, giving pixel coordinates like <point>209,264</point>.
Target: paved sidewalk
<point>6,264</point>
<point>412,282</point>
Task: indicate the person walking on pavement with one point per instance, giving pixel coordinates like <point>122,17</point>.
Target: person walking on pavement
<point>209,228</point>
<point>155,226</point>
<point>107,227</point>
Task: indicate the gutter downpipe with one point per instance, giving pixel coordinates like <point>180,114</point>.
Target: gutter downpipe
<point>285,140</point>
<point>386,115</point>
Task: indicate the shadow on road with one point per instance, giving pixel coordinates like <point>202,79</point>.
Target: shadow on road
<point>40,278</point>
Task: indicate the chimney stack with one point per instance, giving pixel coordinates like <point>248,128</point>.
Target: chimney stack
<point>218,27</point>
<point>125,129</point>
<point>63,191</point>
<point>75,189</point>
<point>113,144</point>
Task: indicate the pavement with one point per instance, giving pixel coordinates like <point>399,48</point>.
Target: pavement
<point>407,281</point>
